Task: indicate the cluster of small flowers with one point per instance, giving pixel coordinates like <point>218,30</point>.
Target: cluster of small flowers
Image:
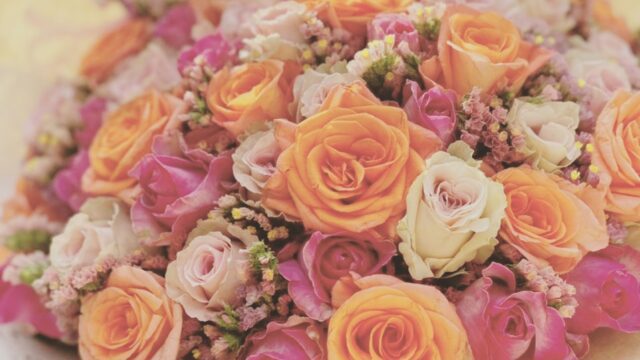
<point>582,170</point>
<point>484,129</point>
<point>255,219</point>
<point>25,268</point>
<point>326,46</point>
<point>27,234</point>
<point>61,291</point>
<point>263,297</point>
<point>560,294</point>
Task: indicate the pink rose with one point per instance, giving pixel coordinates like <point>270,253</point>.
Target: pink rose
<point>91,114</point>
<point>175,26</point>
<point>215,50</point>
<point>298,338</point>
<point>323,260</point>
<point>207,272</point>
<point>397,25</point>
<point>504,324</point>
<point>20,303</point>
<point>607,290</point>
<point>434,109</point>
<point>179,187</point>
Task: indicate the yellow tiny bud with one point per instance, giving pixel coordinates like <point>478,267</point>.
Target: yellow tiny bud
<point>428,10</point>
<point>594,169</point>
<point>365,53</point>
<point>494,127</point>
<point>322,44</point>
<point>306,67</point>
<point>236,214</point>
<point>337,46</point>
<point>196,354</point>
<point>589,148</point>
<point>503,136</point>
<point>252,230</point>
<point>43,139</point>
<point>420,12</point>
<point>390,39</point>
<point>268,274</point>
<point>272,235</point>
<point>582,83</point>
<point>575,175</point>
<point>579,145</point>
<point>307,54</point>
<point>389,76</point>
<point>538,40</point>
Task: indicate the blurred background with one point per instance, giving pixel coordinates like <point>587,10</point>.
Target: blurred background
<point>41,40</point>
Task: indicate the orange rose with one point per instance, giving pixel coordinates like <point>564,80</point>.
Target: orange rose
<point>355,15</point>
<point>617,154</point>
<point>550,220</point>
<point>131,318</point>
<point>29,199</point>
<point>484,50</point>
<point>114,47</point>
<point>348,168</point>
<point>603,14</point>
<point>124,138</point>
<point>381,317</point>
<point>250,94</point>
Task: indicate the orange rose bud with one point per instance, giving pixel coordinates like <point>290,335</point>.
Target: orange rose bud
<point>617,154</point>
<point>114,47</point>
<point>382,317</point>
<point>484,50</point>
<point>348,168</point>
<point>245,97</point>
<point>124,138</point>
<point>355,15</point>
<point>550,220</point>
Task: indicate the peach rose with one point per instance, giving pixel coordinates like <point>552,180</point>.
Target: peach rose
<point>348,167</point>
<point>131,318</point>
<point>550,220</point>
<point>381,317</point>
<point>29,199</point>
<point>244,97</point>
<point>114,47</point>
<point>484,50</point>
<point>124,138</point>
<point>617,154</point>
<point>355,15</point>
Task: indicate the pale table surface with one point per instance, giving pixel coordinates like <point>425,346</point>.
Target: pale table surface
<point>41,38</point>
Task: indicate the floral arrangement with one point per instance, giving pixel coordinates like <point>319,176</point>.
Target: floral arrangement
<point>333,179</point>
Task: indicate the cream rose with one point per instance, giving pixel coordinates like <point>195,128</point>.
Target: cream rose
<point>549,130</point>
<point>598,74</point>
<point>100,230</point>
<point>453,215</point>
<point>254,161</point>
<point>284,18</point>
<point>207,272</point>
<point>311,89</point>
<point>265,47</point>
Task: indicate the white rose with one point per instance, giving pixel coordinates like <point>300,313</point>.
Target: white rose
<point>255,159</point>
<point>261,47</point>
<point>100,230</point>
<point>601,76</point>
<point>311,89</point>
<point>549,130</point>
<point>453,215</point>
<point>612,47</point>
<point>207,272</point>
<point>285,19</point>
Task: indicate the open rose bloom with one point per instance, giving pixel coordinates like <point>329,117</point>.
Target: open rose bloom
<point>335,179</point>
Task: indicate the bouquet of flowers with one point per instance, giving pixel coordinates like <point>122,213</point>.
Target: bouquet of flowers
<point>335,179</point>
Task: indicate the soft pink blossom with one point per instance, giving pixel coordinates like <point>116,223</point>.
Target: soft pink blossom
<point>398,25</point>
<point>67,182</point>
<point>298,338</point>
<point>433,109</point>
<point>215,50</point>
<point>607,290</point>
<point>323,260</point>
<point>175,26</point>
<point>502,323</point>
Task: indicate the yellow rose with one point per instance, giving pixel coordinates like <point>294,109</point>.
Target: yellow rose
<point>453,215</point>
<point>124,138</point>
